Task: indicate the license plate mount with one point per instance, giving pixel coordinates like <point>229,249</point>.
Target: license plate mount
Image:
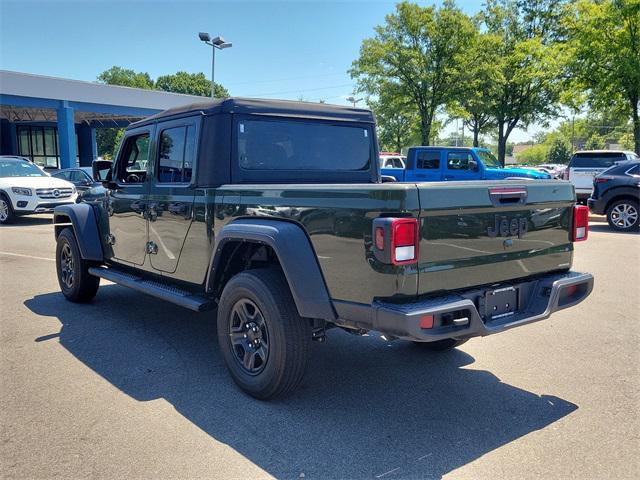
<point>501,302</point>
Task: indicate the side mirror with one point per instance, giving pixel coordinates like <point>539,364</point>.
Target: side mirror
<point>473,165</point>
<point>101,170</point>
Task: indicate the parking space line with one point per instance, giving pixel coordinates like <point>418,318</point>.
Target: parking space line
<point>27,256</point>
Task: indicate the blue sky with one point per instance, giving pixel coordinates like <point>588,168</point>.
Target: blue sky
<point>286,49</point>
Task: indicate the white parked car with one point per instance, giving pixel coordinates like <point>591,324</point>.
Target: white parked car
<point>25,189</point>
<point>392,161</point>
<point>585,165</point>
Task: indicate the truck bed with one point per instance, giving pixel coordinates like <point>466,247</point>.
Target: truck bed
<point>456,250</point>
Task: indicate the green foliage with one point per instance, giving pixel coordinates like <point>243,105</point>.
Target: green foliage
<point>397,125</point>
<point>190,84</point>
<point>105,140</point>
<point>595,142</point>
<point>603,56</point>
<point>414,56</point>
<point>476,88</point>
<point>108,139</point>
<point>527,67</point>
<point>126,78</point>
<point>559,151</point>
<point>534,155</point>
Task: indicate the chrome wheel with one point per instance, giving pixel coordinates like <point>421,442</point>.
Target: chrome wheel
<point>249,336</point>
<point>66,266</point>
<point>624,215</point>
<point>4,210</point>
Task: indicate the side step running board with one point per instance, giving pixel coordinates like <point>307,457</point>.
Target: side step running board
<point>155,289</point>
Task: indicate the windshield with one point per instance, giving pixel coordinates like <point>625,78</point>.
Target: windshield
<point>488,159</point>
<point>13,168</point>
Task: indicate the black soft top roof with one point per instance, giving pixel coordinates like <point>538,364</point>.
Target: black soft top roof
<point>256,106</point>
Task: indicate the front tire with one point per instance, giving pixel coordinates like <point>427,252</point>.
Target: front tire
<point>441,345</point>
<point>264,341</point>
<point>624,215</point>
<point>6,210</point>
<point>76,283</point>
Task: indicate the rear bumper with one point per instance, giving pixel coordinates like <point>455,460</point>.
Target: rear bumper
<point>538,299</point>
<point>596,206</point>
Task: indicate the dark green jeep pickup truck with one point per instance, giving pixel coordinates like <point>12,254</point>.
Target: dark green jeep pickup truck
<point>274,214</point>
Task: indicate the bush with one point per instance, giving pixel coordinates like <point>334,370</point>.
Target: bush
<point>534,155</point>
<point>559,152</point>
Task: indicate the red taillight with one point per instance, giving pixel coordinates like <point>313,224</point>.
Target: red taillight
<point>580,223</point>
<point>426,321</point>
<point>404,241</point>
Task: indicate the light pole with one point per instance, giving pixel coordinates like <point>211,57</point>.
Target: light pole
<point>220,44</point>
<point>353,100</point>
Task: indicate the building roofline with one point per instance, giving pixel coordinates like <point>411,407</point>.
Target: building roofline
<point>30,85</point>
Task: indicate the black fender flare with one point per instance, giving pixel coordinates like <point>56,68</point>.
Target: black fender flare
<point>296,255</point>
<point>85,226</point>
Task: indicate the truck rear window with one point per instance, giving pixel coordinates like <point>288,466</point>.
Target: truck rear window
<point>295,145</point>
<point>596,160</point>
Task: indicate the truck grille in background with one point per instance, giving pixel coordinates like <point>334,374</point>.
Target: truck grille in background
<point>53,192</point>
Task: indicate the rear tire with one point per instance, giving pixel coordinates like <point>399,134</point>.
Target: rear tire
<point>442,345</point>
<point>6,210</point>
<point>76,283</point>
<point>624,215</point>
<point>264,341</point>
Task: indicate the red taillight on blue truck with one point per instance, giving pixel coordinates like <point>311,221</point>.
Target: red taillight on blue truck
<point>580,223</point>
<point>396,240</point>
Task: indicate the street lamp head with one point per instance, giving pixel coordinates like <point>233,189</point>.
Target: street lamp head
<point>204,36</point>
<point>217,41</point>
<point>222,46</point>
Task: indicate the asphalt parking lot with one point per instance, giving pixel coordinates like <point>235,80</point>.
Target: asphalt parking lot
<point>131,387</point>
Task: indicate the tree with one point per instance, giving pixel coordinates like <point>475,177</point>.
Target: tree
<point>527,69</point>
<point>126,78</point>
<point>559,151</point>
<point>534,155</point>
<point>108,139</point>
<point>595,142</point>
<point>414,56</point>
<point>397,123</point>
<point>476,87</point>
<point>190,84</point>
<point>604,55</point>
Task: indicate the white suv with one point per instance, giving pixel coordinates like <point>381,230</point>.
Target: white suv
<point>585,165</point>
<point>25,189</point>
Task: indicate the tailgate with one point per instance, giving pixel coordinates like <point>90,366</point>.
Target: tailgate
<point>582,178</point>
<point>477,233</point>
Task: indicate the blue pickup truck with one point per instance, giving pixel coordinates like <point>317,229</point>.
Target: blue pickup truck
<point>435,164</point>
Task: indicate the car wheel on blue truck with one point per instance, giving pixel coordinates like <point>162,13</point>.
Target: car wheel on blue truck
<point>240,219</point>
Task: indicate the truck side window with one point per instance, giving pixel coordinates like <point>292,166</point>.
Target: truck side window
<point>460,161</point>
<point>132,164</point>
<point>176,153</point>
<point>428,160</point>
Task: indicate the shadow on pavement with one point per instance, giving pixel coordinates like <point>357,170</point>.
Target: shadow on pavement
<point>28,221</point>
<point>365,409</point>
<point>604,227</point>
